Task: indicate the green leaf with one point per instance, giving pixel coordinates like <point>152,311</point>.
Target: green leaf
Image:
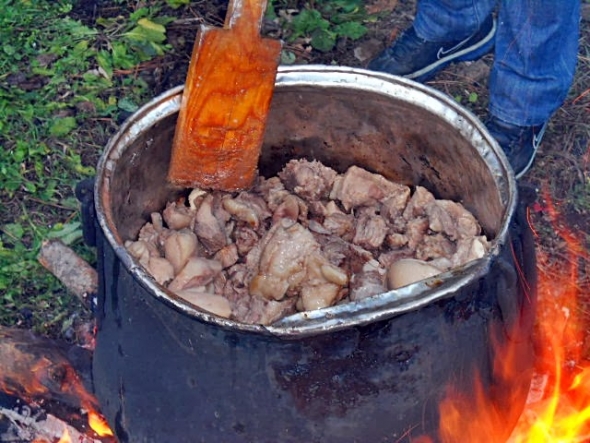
<point>308,21</point>
<point>121,58</point>
<point>127,104</point>
<point>67,233</point>
<point>48,192</point>
<point>62,126</point>
<point>104,60</point>
<point>175,4</point>
<point>349,5</point>
<point>30,187</point>
<point>139,14</point>
<point>9,49</point>
<point>473,97</point>
<point>352,30</point>
<point>147,30</point>
<point>14,230</point>
<point>323,40</point>
<point>288,57</point>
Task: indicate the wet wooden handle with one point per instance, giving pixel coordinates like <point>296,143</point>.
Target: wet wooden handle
<point>245,16</point>
<point>225,102</point>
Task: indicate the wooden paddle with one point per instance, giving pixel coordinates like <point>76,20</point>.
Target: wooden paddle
<point>225,102</point>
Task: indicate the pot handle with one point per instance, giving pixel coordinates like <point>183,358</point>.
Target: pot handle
<point>85,194</point>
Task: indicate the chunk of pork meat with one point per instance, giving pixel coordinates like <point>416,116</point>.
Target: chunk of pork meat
<point>416,230</point>
<point>161,269</point>
<point>469,249</point>
<point>209,228</point>
<point>416,206</point>
<point>265,312</point>
<point>396,240</point>
<point>407,271</point>
<point>149,257</point>
<point>344,254</point>
<point>310,180</point>
<point>394,205</point>
<point>198,271</point>
<point>153,232</point>
<point>245,239</point>
<point>339,223</point>
<point>281,264</point>
<point>248,208</point>
<point>142,250</point>
<point>323,285</point>
<point>359,187</point>
<point>236,284</point>
<point>291,208</point>
<point>272,190</point>
<point>198,296</point>
<point>370,230</point>
<point>248,308</point>
<point>370,281</point>
<point>179,246</point>
<point>157,221</point>
<point>291,262</point>
<point>452,219</point>
<point>434,246</point>
<point>177,215</point>
<point>227,256</point>
<point>386,259</point>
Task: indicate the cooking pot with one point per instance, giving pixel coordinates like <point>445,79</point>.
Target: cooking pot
<point>370,371</point>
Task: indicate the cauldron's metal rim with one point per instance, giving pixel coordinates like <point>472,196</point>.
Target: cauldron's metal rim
<point>379,307</point>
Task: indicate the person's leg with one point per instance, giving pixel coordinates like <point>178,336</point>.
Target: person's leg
<point>535,59</point>
<point>444,31</point>
<point>534,65</point>
<point>448,20</point>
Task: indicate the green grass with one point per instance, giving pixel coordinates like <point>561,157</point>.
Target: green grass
<point>59,95</point>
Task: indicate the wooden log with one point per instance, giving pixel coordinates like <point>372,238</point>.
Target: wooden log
<point>38,371</point>
<point>37,368</point>
<point>73,271</point>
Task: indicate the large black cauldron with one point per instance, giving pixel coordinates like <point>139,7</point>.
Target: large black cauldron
<point>368,372</point>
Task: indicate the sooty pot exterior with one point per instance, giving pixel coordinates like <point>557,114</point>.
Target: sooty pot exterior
<point>373,371</point>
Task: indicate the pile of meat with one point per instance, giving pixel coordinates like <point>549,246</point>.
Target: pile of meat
<point>306,239</point>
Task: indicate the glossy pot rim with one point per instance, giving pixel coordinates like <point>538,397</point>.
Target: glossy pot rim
<point>379,307</point>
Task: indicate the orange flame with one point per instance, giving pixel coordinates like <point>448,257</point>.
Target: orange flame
<point>65,438</point>
<point>99,425</point>
<point>558,407</point>
<point>45,373</point>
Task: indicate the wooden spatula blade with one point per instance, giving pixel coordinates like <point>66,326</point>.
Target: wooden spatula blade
<point>225,103</point>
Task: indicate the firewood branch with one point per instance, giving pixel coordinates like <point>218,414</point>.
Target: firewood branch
<point>73,271</point>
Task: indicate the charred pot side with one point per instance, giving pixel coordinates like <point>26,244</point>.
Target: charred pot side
<point>305,239</point>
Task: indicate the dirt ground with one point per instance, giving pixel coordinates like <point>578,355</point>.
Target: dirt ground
<point>561,172</point>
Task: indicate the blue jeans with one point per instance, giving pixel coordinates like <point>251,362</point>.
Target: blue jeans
<point>535,51</point>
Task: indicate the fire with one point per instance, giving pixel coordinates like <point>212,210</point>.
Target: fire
<point>99,425</point>
<point>65,438</point>
<point>558,406</point>
<point>35,370</point>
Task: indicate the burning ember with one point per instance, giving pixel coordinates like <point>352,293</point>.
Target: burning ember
<point>558,405</point>
<point>65,438</point>
<point>38,373</point>
<point>99,425</point>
